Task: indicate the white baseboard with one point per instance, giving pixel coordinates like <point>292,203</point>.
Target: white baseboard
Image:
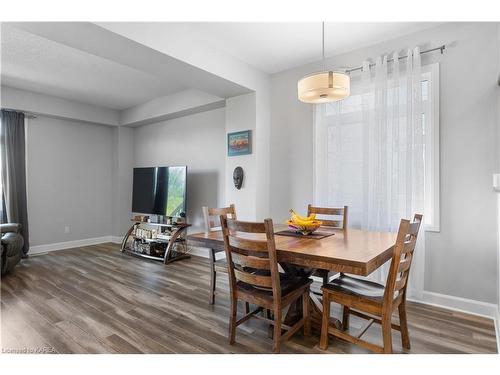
<point>465,305</point>
<point>68,245</point>
<point>116,239</point>
<point>40,249</point>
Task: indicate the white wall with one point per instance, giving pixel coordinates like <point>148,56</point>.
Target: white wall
<point>498,196</point>
<point>155,110</point>
<point>197,141</point>
<point>262,151</point>
<point>240,115</point>
<point>52,106</point>
<point>183,45</point>
<point>69,180</point>
<point>466,247</point>
<point>291,147</point>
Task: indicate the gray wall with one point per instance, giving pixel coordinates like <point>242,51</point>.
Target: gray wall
<point>197,141</point>
<point>80,174</point>
<point>69,180</point>
<point>467,244</point>
<point>123,164</point>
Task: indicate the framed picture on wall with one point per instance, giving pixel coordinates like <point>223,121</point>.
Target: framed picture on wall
<point>239,143</point>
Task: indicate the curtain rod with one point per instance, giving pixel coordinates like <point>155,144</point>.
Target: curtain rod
<point>26,114</point>
<point>440,48</point>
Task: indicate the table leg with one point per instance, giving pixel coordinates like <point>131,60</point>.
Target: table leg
<point>317,313</point>
<point>315,302</point>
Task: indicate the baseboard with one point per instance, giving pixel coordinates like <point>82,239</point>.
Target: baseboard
<point>68,245</point>
<point>40,249</point>
<point>465,305</point>
<point>116,239</point>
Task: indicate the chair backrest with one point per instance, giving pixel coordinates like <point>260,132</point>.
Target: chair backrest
<point>397,279</point>
<point>251,258</point>
<point>341,212</point>
<point>212,216</point>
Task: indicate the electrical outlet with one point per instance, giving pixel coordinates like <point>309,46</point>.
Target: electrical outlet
<point>66,229</point>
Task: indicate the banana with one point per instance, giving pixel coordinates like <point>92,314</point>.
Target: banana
<point>302,221</point>
<point>311,217</point>
<point>304,225</point>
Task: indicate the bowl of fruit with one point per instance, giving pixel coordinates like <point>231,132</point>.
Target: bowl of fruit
<point>303,225</point>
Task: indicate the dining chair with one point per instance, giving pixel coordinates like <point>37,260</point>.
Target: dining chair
<point>211,218</point>
<point>254,278</point>
<point>373,301</point>
<point>339,222</point>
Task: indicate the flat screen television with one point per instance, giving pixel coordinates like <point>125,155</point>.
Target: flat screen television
<point>160,191</point>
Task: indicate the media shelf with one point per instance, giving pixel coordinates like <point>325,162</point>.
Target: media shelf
<point>141,240</point>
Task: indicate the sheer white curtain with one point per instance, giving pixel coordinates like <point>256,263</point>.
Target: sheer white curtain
<point>369,152</point>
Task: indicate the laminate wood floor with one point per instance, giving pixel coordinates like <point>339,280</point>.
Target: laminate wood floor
<point>96,300</point>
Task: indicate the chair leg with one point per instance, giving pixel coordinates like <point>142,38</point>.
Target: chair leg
<point>386,332</point>
<point>325,321</point>
<point>232,321</point>
<point>306,314</point>
<point>345,318</point>
<point>213,275</point>
<point>247,308</point>
<point>405,336</point>
<point>277,330</point>
<point>270,328</point>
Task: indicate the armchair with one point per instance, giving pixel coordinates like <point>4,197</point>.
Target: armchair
<point>12,246</point>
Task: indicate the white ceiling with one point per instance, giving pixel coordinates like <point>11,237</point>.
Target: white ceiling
<point>274,47</point>
<point>85,63</point>
<point>90,64</point>
<point>37,64</point>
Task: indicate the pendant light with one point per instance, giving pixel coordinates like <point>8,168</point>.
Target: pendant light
<point>326,86</point>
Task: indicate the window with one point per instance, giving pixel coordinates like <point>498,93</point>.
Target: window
<point>430,120</point>
<point>342,153</point>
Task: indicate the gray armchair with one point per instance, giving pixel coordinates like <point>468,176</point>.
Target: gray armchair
<point>12,246</point>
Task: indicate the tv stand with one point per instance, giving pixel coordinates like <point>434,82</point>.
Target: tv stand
<point>157,241</point>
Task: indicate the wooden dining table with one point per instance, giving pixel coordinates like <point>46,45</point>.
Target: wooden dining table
<point>352,251</point>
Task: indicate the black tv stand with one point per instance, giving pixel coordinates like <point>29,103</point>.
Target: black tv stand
<point>168,242</point>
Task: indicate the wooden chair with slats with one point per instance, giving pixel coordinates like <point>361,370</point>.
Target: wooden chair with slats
<point>373,301</point>
<point>254,278</point>
<point>211,217</point>
<point>339,223</point>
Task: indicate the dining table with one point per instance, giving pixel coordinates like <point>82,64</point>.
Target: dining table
<point>353,251</point>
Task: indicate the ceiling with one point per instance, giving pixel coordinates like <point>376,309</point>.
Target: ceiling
<point>85,63</point>
<point>34,63</point>
<point>88,63</point>
<point>274,47</point>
